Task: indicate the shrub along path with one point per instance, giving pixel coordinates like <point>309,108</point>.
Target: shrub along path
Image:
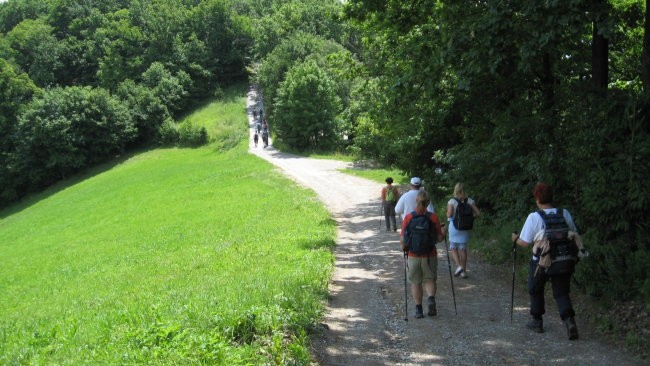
<point>364,321</point>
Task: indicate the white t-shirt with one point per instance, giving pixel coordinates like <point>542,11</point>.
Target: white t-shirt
<point>535,223</point>
<point>406,203</point>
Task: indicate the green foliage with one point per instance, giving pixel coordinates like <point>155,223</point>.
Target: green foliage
<point>68,129</point>
<point>191,135</point>
<point>295,49</point>
<point>167,134</point>
<point>497,95</point>
<point>170,89</point>
<point>36,50</point>
<point>315,17</point>
<point>148,112</point>
<point>16,90</point>
<point>306,108</point>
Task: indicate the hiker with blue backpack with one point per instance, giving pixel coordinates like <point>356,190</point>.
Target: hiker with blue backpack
<point>420,233</point>
<point>461,211</point>
<point>389,197</point>
<point>552,234</point>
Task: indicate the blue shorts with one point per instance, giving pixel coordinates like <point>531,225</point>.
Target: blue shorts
<point>459,246</point>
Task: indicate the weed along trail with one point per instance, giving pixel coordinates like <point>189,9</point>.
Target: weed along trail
<point>364,321</point>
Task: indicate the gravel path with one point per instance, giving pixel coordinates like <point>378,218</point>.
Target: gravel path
<point>364,323</point>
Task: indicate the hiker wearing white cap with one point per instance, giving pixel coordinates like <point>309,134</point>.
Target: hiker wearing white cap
<point>406,203</point>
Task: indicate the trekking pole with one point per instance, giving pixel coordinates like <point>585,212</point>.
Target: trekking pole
<point>451,278</point>
<point>512,293</point>
<point>406,303</point>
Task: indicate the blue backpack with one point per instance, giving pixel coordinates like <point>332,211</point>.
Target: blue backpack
<point>419,236</point>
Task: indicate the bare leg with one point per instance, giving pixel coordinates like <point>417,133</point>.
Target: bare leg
<point>416,291</point>
<point>430,287</point>
<point>463,258</point>
<point>454,255</point>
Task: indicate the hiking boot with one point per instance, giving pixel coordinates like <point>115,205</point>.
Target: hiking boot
<point>571,328</point>
<point>536,325</point>
<point>432,307</point>
<point>418,312</point>
<point>459,270</point>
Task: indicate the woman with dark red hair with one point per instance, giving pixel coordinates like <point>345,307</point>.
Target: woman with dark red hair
<point>532,232</point>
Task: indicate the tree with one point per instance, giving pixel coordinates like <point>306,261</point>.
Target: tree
<point>69,129</point>
<point>36,50</point>
<point>306,108</point>
<point>16,90</point>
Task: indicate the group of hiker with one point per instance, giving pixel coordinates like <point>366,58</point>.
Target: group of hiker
<point>550,231</point>
<point>261,128</point>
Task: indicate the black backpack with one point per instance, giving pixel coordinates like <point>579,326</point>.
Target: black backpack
<point>563,251</point>
<point>419,236</point>
<point>464,216</point>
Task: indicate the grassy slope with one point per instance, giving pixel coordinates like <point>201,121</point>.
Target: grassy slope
<point>173,255</point>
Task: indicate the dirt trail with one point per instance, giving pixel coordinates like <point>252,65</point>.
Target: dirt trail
<point>364,323</point>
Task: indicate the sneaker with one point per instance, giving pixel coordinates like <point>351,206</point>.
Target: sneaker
<point>432,307</point>
<point>459,270</point>
<point>418,312</point>
<point>463,274</point>
<point>571,328</point>
<point>536,325</point>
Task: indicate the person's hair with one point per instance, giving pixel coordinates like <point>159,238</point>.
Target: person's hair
<point>389,180</point>
<point>543,193</point>
<point>459,190</point>
<point>422,200</point>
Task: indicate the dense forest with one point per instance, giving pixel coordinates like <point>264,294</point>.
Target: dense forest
<point>496,94</point>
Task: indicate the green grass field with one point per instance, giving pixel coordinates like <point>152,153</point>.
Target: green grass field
<point>170,256</point>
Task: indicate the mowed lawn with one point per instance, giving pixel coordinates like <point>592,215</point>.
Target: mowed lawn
<point>171,256</point>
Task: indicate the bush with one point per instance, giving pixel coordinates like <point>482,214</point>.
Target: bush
<point>167,133</point>
<point>192,135</point>
<point>69,129</point>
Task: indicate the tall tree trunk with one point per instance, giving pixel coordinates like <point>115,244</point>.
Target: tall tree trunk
<point>599,58</point>
<point>645,56</point>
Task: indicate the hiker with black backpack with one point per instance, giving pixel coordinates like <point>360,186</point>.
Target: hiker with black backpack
<point>420,233</point>
<point>549,229</point>
<point>461,211</point>
<point>389,197</point>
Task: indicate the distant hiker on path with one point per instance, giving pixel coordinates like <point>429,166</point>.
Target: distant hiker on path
<point>255,139</point>
<point>420,233</point>
<point>459,236</point>
<point>389,197</point>
<point>537,229</point>
<point>265,137</point>
<point>406,203</point>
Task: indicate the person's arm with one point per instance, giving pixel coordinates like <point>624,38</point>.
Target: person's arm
<point>518,241</point>
<point>383,194</point>
<point>405,224</point>
<point>450,210</point>
<point>474,207</point>
<point>526,236</point>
